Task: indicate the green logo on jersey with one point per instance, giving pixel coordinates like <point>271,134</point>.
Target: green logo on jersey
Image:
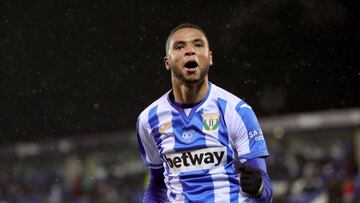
<point>211,121</point>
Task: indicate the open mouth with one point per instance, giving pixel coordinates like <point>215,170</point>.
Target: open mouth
<point>191,64</point>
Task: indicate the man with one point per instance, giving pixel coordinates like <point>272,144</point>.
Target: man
<point>201,143</point>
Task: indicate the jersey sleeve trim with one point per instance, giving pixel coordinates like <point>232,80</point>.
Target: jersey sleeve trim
<point>254,155</point>
<point>155,166</point>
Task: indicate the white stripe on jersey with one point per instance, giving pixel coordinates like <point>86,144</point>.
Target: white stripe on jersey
<point>152,155</point>
<point>168,142</point>
<point>221,183</point>
<point>234,123</point>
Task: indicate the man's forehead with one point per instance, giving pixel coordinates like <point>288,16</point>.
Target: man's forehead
<point>187,34</point>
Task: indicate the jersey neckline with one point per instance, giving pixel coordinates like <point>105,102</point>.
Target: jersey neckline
<point>181,107</point>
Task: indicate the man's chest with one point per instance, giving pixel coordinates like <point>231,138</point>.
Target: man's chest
<point>176,132</point>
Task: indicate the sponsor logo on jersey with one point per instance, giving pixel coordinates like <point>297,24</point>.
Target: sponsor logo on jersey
<point>164,127</point>
<point>211,121</point>
<point>201,159</point>
<point>256,134</point>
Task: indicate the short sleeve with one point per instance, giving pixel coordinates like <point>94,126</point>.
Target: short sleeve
<point>247,136</point>
<point>146,144</point>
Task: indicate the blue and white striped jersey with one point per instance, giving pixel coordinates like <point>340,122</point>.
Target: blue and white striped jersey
<point>197,146</point>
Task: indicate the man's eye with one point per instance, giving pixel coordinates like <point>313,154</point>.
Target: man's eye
<point>179,47</point>
<point>199,45</point>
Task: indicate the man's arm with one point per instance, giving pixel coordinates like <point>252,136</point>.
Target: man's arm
<point>254,179</point>
<point>249,143</point>
<point>156,190</point>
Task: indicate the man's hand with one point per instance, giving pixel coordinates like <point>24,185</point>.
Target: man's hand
<point>250,179</point>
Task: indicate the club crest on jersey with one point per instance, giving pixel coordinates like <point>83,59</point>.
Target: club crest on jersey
<point>211,121</point>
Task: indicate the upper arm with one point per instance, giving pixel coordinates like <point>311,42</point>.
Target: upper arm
<point>247,136</point>
<point>147,147</point>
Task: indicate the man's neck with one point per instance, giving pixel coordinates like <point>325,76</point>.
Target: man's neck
<point>190,94</point>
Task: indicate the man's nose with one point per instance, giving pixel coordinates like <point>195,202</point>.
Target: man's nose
<point>189,51</point>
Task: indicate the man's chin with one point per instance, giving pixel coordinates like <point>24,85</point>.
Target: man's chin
<point>192,81</point>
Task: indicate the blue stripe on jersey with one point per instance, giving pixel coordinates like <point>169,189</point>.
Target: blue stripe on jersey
<point>153,118</point>
<point>200,185</point>
<point>140,144</point>
<point>257,147</point>
<point>182,130</point>
<point>198,182</point>
<point>223,135</point>
<point>154,125</point>
<point>224,139</point>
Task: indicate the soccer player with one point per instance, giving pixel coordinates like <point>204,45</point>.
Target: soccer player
<point>201,143</point>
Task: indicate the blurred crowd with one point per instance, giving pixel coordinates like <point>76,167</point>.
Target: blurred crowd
<point>76,181</point>
<point>316,176</point>
<point>304,174</point>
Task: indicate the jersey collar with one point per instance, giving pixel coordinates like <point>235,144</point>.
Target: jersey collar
<point>180,107</point>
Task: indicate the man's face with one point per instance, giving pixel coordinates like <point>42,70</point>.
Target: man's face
<point>188,56</point>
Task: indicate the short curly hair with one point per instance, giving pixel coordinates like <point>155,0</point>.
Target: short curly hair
<point>181,26</point>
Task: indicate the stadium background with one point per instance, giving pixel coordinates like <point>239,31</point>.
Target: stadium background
<point>75,74</point>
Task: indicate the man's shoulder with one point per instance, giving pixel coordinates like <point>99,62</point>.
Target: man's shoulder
<point>159,101</point>
<point>227,96</point>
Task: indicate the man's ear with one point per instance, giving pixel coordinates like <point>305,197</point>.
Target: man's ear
<point>166,62</point>
<point>211,58</point>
